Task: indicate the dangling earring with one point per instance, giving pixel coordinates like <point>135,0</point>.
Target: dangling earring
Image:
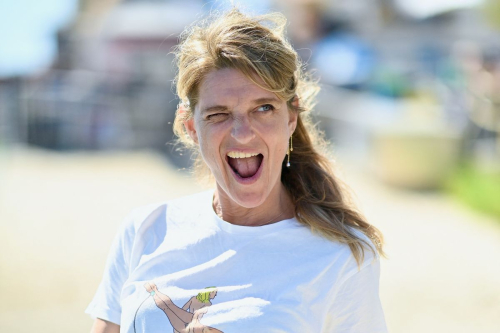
<point>290,149</point>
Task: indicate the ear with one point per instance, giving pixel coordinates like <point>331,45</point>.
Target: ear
<point>293,114</point>
<point>188,123</point>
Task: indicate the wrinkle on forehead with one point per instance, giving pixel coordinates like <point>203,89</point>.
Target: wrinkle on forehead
<point>231,88</point>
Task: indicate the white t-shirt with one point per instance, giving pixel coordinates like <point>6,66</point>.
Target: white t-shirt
<point>274,278</point>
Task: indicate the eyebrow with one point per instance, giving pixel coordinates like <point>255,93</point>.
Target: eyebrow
<point>263,100</point>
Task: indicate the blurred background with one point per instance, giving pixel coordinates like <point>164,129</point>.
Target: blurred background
<point>410,103</point>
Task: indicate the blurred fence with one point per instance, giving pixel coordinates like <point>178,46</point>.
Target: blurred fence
<point>82,110</point>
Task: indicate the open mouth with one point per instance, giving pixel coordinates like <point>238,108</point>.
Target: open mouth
<point>245,165</point>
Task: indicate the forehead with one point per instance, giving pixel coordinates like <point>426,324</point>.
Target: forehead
<point>230,86</point>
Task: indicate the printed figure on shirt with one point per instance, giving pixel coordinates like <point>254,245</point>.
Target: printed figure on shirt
<point>185,319</point>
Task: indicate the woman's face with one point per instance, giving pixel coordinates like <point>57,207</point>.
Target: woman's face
<point>243,133</point>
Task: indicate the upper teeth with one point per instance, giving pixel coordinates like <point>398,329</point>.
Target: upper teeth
<point>238,154</point>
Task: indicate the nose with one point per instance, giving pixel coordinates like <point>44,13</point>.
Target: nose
<point>242,130</point>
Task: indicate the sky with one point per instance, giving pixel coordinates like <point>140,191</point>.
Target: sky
<point>28,33</point>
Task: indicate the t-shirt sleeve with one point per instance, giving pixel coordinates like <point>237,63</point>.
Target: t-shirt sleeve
<point>106,302</point>
<point>356,307</point>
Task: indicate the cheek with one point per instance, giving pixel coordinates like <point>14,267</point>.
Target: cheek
<point>281,151</point>
<point>209,153</point>
<point>278,147</point>
<point>281,140</point>
<point>209,143</point>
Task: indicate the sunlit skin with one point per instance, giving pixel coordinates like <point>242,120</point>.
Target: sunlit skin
<point>182,320</point>
<point>234,114</point>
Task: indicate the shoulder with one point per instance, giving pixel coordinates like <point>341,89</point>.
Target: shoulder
<point>142,216</point>
<point>369,256</point>
<point>146,217</point>
<point>362,274</point>
<point>337,257</point>
<point>348,273</point>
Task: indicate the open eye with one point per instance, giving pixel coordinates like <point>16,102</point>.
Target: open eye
<point>265,107</point>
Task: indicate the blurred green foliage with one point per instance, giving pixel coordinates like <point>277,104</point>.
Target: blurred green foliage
<point>492,12</point>
<point>479,189</point>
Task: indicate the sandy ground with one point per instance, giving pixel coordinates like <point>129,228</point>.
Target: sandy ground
<point>59,214</point>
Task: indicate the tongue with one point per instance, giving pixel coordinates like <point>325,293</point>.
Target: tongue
<point>246,167</point>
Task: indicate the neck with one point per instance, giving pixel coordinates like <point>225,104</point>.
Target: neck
<point>277,206</point>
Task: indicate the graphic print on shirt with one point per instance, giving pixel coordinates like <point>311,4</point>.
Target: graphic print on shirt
<point>185,319</point>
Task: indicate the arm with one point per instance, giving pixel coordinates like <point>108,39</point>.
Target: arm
<point>188,304</point>
<point>103,326</point>
<point>356,307</point>
<point>105,305</point>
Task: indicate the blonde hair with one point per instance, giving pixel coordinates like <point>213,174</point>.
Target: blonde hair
<point>204,296</point>
<point>257,47</point>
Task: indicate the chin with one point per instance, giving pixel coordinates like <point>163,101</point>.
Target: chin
<point>248,199</point>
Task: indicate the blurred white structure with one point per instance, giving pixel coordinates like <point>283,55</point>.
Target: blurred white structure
<point>422,9</point>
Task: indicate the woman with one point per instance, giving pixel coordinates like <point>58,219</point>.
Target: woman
<point>278,237</point>
<point>188,317</point>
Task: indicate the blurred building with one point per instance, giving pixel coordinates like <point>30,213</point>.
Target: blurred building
<point>111,85</point>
